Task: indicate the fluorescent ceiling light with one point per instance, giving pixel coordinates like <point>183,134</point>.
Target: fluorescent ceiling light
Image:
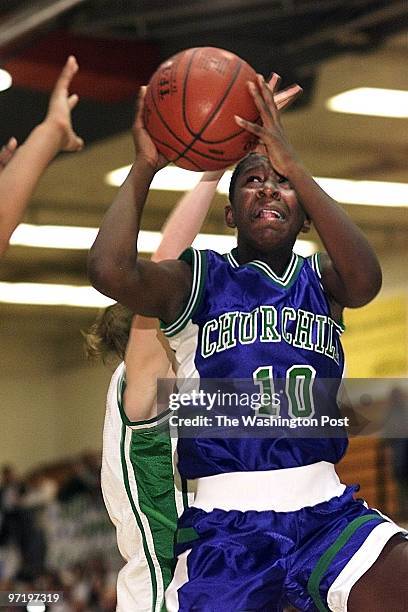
<point>5,80</point>
<point>68,237</point>
<point>371,101</point>
<point>170,178</point>
<point>368,193</point>
<point>47,294</point>
<point>53,236</point>
<point>71,237</point>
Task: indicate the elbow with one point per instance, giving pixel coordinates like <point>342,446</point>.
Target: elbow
<point>102,276</point>
<point>367,289</point>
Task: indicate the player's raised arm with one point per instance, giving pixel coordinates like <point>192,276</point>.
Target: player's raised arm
<point>351,273</point>
<point>147,353</point>
<point>23,167</point>
<point>147,288</point>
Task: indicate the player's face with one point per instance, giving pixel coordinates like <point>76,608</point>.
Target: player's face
<point>266,209</point>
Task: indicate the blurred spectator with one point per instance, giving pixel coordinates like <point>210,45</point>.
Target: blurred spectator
<point>31,506</point>
<point>40,491</point>
<point>11,489</point>
<point>396,438</point>
<point>85,478</point>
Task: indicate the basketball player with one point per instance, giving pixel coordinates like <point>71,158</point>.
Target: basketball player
<point>271,523</point>
<point>22,167</point>
<point>143,491</point>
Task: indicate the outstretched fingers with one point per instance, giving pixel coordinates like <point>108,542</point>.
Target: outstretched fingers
<point>66,76</point>
<point>267,92</point>
<point>253,128</point>
<point>139,123</point>
<point>73,101</point>
<point>273,81</point>
<point>262,95</point>
<point>7,151</point>
<point>286,97</point>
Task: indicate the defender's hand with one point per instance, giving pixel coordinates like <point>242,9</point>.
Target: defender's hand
<point>61,105</point>
<point>7,151</point>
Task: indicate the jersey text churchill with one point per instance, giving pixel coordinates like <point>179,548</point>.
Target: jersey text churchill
<point>299,328</point>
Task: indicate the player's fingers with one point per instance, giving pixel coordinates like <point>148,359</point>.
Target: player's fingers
<point>274,82</point>
<point>254,128</point>
<point>7,151</point>
<point>268,94</point>
<point>12,144</point>
<point>260,103</point>
<point>73,101</point>
<point>67,73</point>
<point>287,96</point>
<point>139,107</point>
<point>77,144</point>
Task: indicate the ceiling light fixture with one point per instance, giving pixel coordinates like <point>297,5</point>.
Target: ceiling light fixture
<point>5,80</point>
<point>48,294</point>
<point>69,237</point>
<point>372,101</point>
<point>367,193</point>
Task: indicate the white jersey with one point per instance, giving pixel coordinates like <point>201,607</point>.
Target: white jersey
<point>144,496</point>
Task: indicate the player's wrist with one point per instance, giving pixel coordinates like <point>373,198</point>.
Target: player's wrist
<point>144,167</point>
<point>55,132</point>
<point>292,167</point>
<point>212,176</point>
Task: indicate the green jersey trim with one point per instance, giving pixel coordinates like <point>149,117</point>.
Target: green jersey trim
<point>325,560</point>
<point>198,262</point>
<point>152,461</point>
<point>142,424</point>
<point>186,534</point>
<point>159,517</point>
<point>138,520</point>
<point>286,280</point>
<point>316,263</point>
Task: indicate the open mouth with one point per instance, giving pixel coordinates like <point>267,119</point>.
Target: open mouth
<point>270,213</point>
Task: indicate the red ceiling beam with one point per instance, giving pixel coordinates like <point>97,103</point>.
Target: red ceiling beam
<point>110,70</point>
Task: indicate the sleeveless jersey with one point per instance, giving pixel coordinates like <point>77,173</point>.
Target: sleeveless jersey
<point>144,496</point>
<point>246,322</point>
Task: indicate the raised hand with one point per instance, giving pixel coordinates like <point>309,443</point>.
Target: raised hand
<point>7,151</point>
<point>270,133</point>
<point>144,145</point>
<point>285,97</point>
<point>61,105</point>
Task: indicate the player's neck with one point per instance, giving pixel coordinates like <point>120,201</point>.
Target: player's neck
<point>278,259</point>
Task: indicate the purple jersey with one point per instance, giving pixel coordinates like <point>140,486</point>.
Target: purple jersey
<point>245,322</point>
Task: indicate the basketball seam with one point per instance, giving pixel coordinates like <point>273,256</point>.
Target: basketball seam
<point>187,147</point>
<point>196,137</point>
<point>199,153</point>
<point>165,122</point>
<point>175,151</point>
<point>217,108</point>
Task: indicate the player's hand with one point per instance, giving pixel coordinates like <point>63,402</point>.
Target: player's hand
<point>270,133</point>
<point>212,175</point>
<point>7,151</point>
<point>285,97</point>
<point>144,145</point>
<point>61,105</point>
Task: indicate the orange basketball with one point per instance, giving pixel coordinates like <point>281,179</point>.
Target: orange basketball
<point>190,105</point>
